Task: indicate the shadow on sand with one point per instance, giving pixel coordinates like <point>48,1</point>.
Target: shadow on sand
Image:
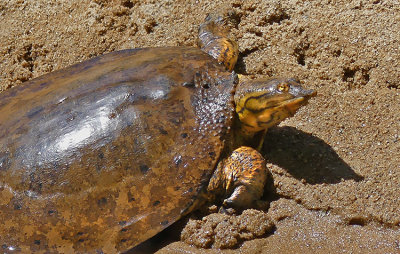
<point>301,154</point>
<point>305,156</point>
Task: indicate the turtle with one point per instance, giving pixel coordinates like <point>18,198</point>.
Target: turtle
<point>106,153</point>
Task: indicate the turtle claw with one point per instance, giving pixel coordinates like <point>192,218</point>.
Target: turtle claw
<point>228,211</point>
<point>214,40</point>
<point>242,177</point>
<point>240,198</point>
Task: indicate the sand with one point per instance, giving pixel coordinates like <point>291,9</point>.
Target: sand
<point>335,166</point>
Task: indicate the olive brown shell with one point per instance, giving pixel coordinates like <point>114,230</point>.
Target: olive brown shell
<point>104,154</point>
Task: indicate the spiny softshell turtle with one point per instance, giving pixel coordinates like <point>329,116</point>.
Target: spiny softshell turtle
<point>104,154</point>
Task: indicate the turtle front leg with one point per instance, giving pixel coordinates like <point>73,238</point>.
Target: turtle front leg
<point>240,178</point>
<point>214,40</point>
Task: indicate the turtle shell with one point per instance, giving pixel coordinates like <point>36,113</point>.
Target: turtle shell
<point>104,154</point>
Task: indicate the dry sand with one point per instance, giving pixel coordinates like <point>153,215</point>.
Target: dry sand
<point>335,185</point>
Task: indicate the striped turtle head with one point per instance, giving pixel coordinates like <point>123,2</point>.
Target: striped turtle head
<point>263,103</point>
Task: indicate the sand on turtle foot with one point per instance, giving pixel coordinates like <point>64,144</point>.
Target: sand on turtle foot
<point>335,165</point>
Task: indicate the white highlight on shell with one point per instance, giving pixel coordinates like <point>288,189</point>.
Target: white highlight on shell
<point>73,138</point>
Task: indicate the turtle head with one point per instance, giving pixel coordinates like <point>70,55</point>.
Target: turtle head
<point>263,103</point>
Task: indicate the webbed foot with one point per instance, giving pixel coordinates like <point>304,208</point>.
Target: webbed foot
<point>214,40</point>
<point>241,176</point>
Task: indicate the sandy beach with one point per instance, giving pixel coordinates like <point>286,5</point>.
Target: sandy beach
<point>335,165</point>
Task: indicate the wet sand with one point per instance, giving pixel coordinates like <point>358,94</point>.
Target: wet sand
<point>335,166</point>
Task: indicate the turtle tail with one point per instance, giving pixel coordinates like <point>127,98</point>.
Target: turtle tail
<point>214,40</point>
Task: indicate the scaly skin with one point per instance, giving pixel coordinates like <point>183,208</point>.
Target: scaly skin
<point>260,104</point>
<point>213,39</point>
<point>241,176</point>
<point>104,154</point>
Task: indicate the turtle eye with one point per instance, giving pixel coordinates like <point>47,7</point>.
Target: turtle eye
<point>283,87</point>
